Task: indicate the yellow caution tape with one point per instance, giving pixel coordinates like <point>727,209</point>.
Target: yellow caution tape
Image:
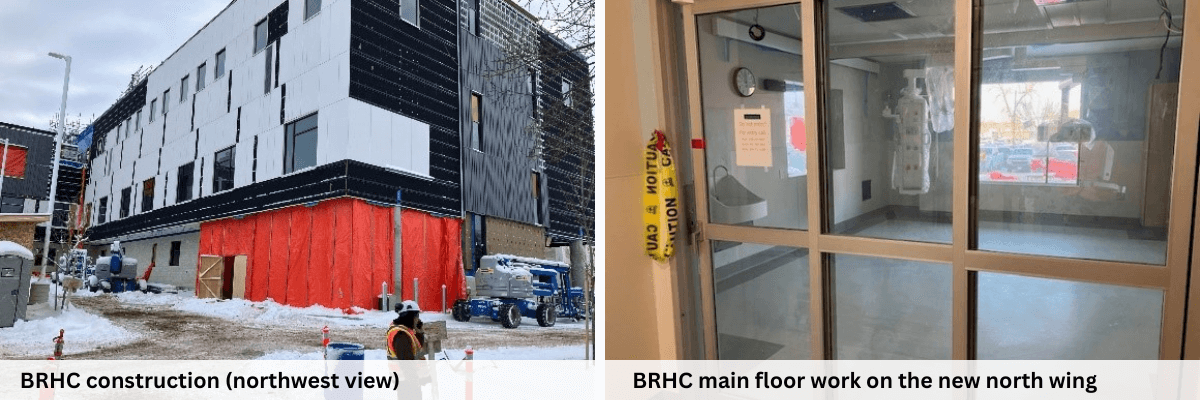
<point>660,199</point>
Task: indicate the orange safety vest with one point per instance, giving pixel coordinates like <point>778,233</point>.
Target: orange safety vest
<point>391,336</point>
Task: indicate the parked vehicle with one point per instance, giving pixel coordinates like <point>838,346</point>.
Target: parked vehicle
<point>508,287</point>
<point>1020,159</point>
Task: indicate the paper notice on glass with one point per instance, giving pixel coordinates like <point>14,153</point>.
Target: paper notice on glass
<point>752,136</point>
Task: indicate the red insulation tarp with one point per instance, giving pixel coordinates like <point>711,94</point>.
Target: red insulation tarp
<point>433,254</point>
<point>339,253</point>
<point>297,284</point>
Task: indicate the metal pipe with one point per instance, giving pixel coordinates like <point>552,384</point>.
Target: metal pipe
<point>416,289</point>
<point>58,136</point>
<point>443,298</point>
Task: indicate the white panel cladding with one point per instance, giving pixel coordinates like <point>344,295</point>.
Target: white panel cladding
<point>333,122</point>
<point>374,133</point>
<point>314,63</point>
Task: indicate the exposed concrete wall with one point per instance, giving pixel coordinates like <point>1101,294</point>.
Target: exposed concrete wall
<point>182,275</point>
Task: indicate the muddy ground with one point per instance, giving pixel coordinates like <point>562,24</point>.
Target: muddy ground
<point>169,334</point>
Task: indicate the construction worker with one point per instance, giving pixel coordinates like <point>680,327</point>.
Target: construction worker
<point>405,339</point>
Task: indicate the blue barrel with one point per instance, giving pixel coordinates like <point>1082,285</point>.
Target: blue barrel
<point>344,351</point>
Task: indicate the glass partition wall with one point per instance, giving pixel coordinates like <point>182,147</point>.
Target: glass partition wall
<point>936,179</point>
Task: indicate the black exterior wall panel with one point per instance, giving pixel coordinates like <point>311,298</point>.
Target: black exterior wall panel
<point>414,72</point>
<point>497,179</point>
<point>338,179</point>
<point>39,155</point>
<point>120,112</point>
<point>569,139</point>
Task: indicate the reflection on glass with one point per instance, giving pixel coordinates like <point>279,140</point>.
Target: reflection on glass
<point>890,119</point>
<point>1036,319</point>
<point>753,100</point>
<point>1076,131</point>
<point>891,309</point>
<point>762,301</point>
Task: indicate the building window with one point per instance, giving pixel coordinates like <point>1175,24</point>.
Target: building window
<point>103,214</point>
<point>219,68</point>
<point>200,71</point>
<point>300,144</point>
<point>137,121</point>
<point>533,91</point>
<point>126,193</point>
<point>153,107</point>
<point>183,184</point>
<point>148,195</point>
<point>410,12</point>
<point>260,36</point>
<point>14,161</point>
<point>566,92</point>
<point>166,101</point>
<point>267,74</point>
<point>311,7</point>
<point>174,262</point>
<point>473,17</point>
<point>476,121</point>
<point>223,170</point>
<point>128,124</point>
<point>536,180</point>
<point>183,88</point>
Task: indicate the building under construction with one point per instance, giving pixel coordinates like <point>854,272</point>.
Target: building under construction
<point>312,152</point>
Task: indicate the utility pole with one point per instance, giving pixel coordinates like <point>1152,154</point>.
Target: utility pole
<point>62,129</point>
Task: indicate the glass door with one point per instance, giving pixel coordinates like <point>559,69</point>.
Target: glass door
<point>942,179</point>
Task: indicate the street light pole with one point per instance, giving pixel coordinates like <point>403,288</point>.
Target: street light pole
<point>58,136</point>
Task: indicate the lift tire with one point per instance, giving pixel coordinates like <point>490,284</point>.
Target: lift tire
<point>510,316</point>
<point>462,311</point>
<point>547,315</point>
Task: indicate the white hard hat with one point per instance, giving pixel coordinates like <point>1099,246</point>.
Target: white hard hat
<point>407,306</point>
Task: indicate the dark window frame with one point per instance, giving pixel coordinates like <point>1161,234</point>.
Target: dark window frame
<point>126,199</point>
<point>102,215</point>
<point>260,35</point>
<point>223,174</point>
<point>219,65</point>
<point>289,142</point>
<point>148,195</point>
<point>201,71</point>
<point>476,120</point>
<point>176,249</point>
<point>184,183</point>
<point>309,9</point>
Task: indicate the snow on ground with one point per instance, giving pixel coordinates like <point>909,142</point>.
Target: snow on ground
<point>84,332</point>
<point>504,353</point>
<point>272,313</point>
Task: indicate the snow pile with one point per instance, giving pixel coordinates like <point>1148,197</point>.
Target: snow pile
<point>270,312</point>
<point>503,353</point>
<point>84,332</point>
<point>8,248</point>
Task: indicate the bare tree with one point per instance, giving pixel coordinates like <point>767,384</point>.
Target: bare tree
<point>557,53</point>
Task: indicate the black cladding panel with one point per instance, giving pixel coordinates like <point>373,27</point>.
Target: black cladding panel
<point>569,141</point>
<point>413,71</point>
<point>118,113</point>
<point>277,23</point>
<point>39,156</point>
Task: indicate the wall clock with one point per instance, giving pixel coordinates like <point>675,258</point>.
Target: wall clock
<point>744,81</point>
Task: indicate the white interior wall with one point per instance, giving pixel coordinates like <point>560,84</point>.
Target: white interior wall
<point>786,197</point>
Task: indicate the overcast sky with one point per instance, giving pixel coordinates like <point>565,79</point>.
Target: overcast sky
<point>108,40</point>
